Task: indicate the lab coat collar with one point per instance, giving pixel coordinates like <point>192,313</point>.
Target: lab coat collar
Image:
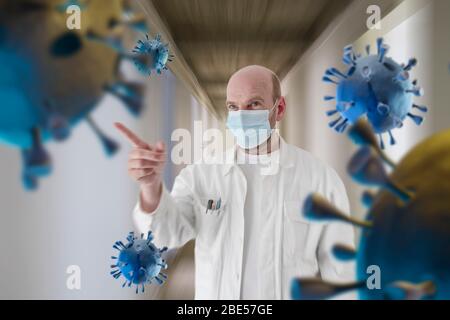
<point>287,159</point>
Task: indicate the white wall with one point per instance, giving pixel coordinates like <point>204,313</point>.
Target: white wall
<point>414,28</point>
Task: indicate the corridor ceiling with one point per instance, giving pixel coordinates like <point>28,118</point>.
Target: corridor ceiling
<point>217,37</point>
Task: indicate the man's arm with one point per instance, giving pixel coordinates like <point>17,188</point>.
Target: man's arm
<point>169,217</point>
<point>173,220</point>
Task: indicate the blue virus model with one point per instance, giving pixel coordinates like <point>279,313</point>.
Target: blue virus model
<point>151,55</point>
<point>375,86</point>
<point>51,78</point>
<point>139,261</point>
<point>407,233</point>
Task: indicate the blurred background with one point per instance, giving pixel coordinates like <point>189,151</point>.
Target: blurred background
<point>85,205</point>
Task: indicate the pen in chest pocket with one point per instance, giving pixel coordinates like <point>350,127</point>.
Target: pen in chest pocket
<point>209,206</point>
<point>213,205</point>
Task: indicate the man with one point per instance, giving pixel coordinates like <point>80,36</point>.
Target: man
<point>251,236</point>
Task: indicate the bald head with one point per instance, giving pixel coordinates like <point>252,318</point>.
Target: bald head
<point>254,79</point>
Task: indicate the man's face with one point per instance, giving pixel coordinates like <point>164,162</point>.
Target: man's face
<point>252,89</point>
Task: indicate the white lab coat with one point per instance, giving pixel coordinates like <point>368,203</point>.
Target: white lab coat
<point>299,247</point>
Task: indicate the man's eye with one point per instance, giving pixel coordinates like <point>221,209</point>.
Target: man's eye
<point>255,104</point>
<point>232,107</point>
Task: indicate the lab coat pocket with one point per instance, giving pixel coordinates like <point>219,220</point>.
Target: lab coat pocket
<point>210,220</point>
<point>300,236</point>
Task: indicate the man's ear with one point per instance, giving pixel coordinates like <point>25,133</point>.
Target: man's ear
<point>281,110</point>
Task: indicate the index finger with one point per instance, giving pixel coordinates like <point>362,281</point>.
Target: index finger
<point>131,136</point>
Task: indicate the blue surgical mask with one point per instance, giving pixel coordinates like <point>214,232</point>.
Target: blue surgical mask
<point>251,128</point>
